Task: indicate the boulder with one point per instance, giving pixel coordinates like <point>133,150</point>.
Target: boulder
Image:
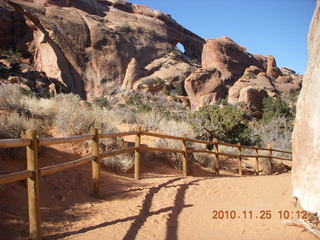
<point>205,86</point>
<point>252,97</point>
<point>227,57</point>
<point>287,71</point>
<point>261,81</point>
<point>172,69</point>
<point>306,134</point>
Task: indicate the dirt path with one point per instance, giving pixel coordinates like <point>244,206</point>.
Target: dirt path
<point>177,208</point>
<point>162,205</point>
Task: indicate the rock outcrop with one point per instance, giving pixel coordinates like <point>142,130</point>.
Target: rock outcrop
<point>228,57</point>
<point>306,135</point>
<point>205,86</point>
<point>252,98</point>
<point>96,48</point>
<point>272,69</point>
<point>237,69</point>
<point>90,47</point>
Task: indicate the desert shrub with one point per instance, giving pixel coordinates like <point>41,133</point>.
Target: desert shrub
<point>137,102</point>
<point>101,102</point>
<point>13,125</point>
<point>123,115</point>
<point>151,119</point>
<point>227,123</point>
<point>119,163</point>
<point>251,75</point>
<point>42,108</point>
<point>155,80</point>
<point>276,108</point>
<point>276,133</point>
<point>73,119</point>
<point>11,97</point>
<point>180,90</point>
<point>78,118</point>
<point>173,128</point>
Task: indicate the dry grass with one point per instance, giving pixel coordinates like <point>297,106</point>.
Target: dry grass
<point>13,125</point>
<point>11,97</point>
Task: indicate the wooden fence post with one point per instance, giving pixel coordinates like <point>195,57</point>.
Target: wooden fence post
<point>95,162</point>
<point>239,159</point>
<point>185,156</point>
<point>270,159</point>
<point>137,154</point>
<point>33,187</point>
<point>216,153</point>
<point>257,160</point>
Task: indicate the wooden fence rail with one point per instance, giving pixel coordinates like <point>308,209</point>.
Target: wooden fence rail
<point>33,173</point>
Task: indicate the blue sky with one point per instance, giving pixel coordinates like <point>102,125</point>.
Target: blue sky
<point>276,27</point>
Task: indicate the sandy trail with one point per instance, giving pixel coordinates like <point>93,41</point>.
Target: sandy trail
<point>162,205</point>
<point>178,208</point>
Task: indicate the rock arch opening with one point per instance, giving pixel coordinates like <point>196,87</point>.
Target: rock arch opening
<point>180,47</point>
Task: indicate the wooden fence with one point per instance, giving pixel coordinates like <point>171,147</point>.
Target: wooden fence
<point>33,172</point>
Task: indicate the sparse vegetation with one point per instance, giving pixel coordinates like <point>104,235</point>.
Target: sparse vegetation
<point>276,108</point>
<point>13,125</point>
<point>156,112</point>
<point>251,75</point>
<point>227,123</point>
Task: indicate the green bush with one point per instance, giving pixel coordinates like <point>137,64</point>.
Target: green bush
<point>101,102</point>
<point>226,123</point>
<point>276,108</point>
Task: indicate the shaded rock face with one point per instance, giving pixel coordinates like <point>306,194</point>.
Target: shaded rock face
<point>252,97</point>
<point>88,45</point>
<point>306,135</point>
<point>12,29</point>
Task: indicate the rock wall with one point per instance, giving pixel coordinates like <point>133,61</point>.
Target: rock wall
<point>88,44</point>
<point>306,135</point>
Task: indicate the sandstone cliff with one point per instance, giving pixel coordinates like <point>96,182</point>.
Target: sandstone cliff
<point>101,47</point>
<point>306,135</point>
<point>89,44</point>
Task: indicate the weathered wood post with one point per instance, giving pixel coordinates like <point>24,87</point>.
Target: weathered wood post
<point>257,160</point>
<point>239,159</point>
<point>185,156</point>
<point>137,154</point>
<point>270,159</point>
<point>216,153</point>
<point>95,162</point>
<point>33,187</point>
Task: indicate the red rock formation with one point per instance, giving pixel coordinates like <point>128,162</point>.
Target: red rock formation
<point>252,97</point>
<point>306,135</point>
<point>12,28</point>
<point>205,86</point>
<point>272,69</point>
<point>228,57</point>
<point>90,47</point>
